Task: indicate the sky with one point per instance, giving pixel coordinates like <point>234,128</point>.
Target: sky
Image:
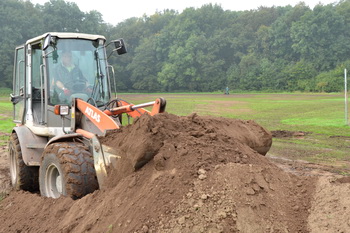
<point>131,8</point>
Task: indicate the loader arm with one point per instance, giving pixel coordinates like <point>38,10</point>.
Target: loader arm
<point>102,119</point>
<point>137,110</point>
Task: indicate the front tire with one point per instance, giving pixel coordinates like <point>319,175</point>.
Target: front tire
<point>67,169</point>
<point>23,177</point>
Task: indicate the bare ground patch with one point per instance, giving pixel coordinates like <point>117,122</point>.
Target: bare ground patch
<point>217,107</point>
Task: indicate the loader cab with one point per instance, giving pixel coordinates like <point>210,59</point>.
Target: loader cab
<point>76,68</point>
<point>43,78</point>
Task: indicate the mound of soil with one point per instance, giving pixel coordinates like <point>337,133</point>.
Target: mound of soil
<point>165,136</point>
<point>188,174</point>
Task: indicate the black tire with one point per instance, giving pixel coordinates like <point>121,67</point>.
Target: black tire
<point>67,168</point>
<point>23,177</point>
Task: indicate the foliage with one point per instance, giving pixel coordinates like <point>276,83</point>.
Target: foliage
<point>291,48</point>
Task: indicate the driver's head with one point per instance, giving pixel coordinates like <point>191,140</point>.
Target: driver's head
<point>67,58</point>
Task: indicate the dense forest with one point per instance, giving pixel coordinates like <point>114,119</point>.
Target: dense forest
<point>290,48</point>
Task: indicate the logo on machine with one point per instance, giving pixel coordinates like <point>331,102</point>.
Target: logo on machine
<point>91,113</point>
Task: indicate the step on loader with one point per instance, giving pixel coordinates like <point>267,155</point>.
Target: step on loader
<point>62,103</point>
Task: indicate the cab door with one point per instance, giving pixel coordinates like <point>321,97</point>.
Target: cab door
<point>19,89</point>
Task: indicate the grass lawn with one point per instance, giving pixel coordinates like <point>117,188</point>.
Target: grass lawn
<point>319,113</point>
<point>321,116</point>
<point>6,123</point>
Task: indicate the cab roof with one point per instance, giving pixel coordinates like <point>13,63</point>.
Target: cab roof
<point>66,35</point>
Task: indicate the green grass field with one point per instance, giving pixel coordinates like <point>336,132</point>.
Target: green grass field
<point>5,115</point>
<point>320,115</point>
<point>6,123</point>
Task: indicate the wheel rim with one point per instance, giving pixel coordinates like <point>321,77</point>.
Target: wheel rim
<point>13,166</point>
<point>53,182</point>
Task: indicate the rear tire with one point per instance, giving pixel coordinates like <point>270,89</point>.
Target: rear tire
<point>67,169</point>
<point>23,177</point>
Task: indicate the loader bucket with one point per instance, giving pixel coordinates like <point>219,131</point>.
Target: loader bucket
<point>114,164</point>
<point>104,157</point>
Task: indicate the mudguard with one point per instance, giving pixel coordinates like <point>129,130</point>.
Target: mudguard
<point>64,138</point>
<point>32,146</point>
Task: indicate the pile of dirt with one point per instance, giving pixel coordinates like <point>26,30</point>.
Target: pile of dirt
<point>165,136</point>
<point>199,174</point>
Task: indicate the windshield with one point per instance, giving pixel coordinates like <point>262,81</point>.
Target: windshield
<point>76,68</point>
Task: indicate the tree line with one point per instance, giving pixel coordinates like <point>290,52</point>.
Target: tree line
<point>290,48</point>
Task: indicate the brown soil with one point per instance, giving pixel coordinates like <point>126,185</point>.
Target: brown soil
<point>4,169</point>
<point>200,174</point>
<point>286,133</point>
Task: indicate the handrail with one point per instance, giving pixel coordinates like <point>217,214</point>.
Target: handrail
<point>42,94</point>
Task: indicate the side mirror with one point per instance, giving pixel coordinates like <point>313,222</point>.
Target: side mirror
<point>47,42</point>
<point>120,46</point>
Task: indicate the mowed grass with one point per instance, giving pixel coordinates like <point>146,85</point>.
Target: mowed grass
<point>319,113</point>
<point>320,116</point>
<point>6,123</point>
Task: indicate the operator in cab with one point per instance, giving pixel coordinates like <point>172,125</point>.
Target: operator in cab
<point>68,79</point>
<point>67,73</point>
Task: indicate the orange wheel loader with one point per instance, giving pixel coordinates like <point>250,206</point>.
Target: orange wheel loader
<point>60,112</point>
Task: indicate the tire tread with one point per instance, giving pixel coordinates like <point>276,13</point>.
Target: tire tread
<point>78,168</point>
<point>27,176</point>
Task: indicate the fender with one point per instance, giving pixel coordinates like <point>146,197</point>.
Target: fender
<point>64,138</point>
<point>32,146</point>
